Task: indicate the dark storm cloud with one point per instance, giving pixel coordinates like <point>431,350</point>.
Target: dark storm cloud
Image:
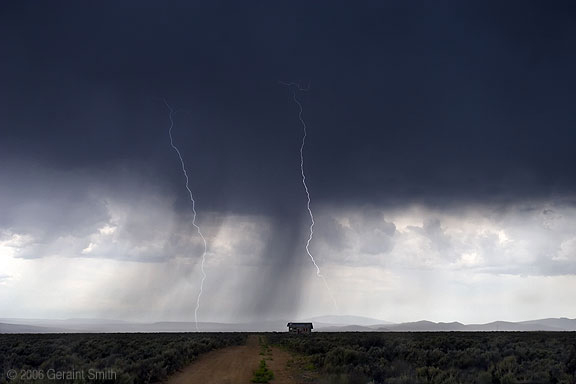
<point>46,205</point>
<point>445,105</point>
<point>448,103</point>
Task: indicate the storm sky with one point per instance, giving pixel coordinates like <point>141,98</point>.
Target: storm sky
<point>440,160</point>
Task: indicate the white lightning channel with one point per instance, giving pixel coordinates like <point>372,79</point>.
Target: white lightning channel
<point>193,211</point>
<point>293,87</point>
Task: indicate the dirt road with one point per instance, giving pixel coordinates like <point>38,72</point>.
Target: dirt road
<point>278,365</point>
<point>234,365</point>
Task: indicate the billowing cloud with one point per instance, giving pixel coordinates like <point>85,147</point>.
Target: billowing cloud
<point>527,239</point>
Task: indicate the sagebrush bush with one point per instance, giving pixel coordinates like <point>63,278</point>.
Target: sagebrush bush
<point>439,357</point>
<point>135,357</point>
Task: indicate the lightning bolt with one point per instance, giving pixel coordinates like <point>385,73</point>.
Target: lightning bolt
<point>171,116</point>
<point>293,88</point>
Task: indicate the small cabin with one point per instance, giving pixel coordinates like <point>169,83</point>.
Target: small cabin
<point>300,327</point>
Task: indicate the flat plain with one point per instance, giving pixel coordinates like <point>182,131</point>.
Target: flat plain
<point>318,358</point>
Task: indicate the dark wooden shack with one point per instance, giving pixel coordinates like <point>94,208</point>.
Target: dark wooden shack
<point>300,327</point>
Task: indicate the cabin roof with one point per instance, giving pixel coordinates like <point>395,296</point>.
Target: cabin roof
<point>300,325</point>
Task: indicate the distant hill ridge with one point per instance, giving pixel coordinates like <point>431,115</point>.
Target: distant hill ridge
<point>321,324</point>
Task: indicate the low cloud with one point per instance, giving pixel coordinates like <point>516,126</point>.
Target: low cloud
<point>535,238</point>
<point>128,246</point>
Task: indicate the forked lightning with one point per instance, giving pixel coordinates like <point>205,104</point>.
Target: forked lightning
<point>293,88</point>
<point>193,211</point>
